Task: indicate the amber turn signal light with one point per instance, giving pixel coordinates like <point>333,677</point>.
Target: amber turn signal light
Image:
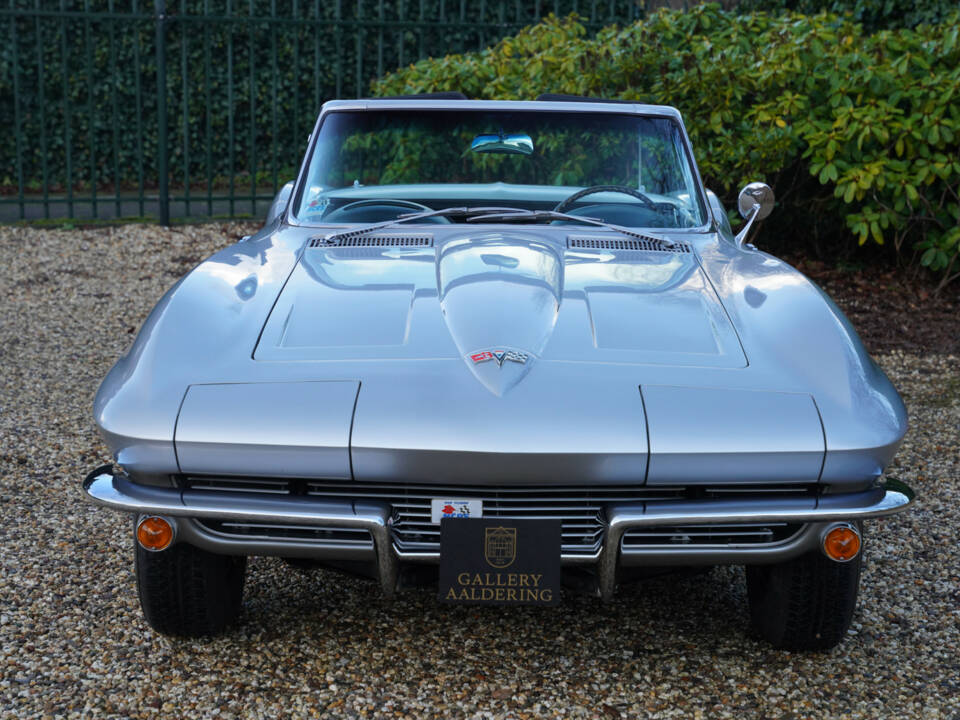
<point>841,543</point>
<point>154,533</point>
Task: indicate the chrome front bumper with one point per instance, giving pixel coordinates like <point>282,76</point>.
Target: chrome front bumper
<point>115,491</point>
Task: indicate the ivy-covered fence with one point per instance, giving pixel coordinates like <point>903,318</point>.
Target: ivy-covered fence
<point>136,107</point>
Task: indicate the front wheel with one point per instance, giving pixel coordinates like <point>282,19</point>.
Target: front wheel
<point>803,604</point>
<point>187,591</point>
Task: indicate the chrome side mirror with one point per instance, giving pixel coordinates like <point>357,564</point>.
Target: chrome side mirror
<point>280,203</point>
<point>755,202</point>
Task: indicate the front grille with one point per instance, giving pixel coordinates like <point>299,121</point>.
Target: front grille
<point>240,485</point>
<point>581,242</point>
<point>725,535</point>
<point>345,537</point>
<point>581,510</point>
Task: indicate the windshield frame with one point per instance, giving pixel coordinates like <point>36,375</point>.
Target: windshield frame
<point>662,112</point>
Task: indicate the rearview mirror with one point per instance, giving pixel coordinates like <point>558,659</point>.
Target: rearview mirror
<point>513,144</point>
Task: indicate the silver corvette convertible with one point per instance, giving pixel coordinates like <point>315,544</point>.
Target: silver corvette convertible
<point>501,348</point>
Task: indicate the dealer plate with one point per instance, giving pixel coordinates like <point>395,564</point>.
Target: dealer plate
<point>499,561</point>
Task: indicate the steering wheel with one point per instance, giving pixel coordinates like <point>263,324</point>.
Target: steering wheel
<point>381,204</point>
<point>626,190</point>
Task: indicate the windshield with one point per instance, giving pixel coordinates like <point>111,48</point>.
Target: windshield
<point>375,165</point>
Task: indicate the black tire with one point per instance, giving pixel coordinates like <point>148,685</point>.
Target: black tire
<point>803,604</point>
<point>187,591</point>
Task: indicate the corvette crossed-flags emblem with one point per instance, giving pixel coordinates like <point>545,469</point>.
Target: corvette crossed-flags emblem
<point>499,356</point>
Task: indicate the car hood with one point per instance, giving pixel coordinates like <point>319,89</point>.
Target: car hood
<point>503,301</point>
<point>499,354</point>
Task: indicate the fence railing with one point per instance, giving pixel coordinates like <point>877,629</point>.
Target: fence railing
<point>184,108</point>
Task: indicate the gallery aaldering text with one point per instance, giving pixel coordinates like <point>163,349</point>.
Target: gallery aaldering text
<point>500,587</point>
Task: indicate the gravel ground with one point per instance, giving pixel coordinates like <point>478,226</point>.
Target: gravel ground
<point>73,643</point>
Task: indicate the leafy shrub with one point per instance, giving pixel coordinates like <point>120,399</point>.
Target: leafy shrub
<point>872,14</point>
<point>857,133</point>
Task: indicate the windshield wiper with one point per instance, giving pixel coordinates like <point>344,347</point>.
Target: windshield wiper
<point>465,212</point>
<point>491,214</point>
<point>535,215</point>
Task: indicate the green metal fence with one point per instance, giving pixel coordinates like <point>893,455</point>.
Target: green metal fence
<point>185,108</point>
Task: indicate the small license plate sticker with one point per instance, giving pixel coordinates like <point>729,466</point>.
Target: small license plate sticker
<point>451,508</point>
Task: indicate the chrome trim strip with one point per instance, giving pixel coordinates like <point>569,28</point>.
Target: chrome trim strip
<point>117,492</point>
<point>805,540</point>
<point>894,497</point>
<point>195,533</point>
<point>431,557</point>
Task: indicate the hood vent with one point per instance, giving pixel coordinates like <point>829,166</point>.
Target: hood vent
<point>375,241</point>
<point>584,242</point>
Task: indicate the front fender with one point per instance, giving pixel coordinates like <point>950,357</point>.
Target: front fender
<point>203,329</point>
<point>790,328</point>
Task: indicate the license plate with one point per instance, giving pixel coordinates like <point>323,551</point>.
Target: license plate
<point>498,561</point>
<point>452,508</point>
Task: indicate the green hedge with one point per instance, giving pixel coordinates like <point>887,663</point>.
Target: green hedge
<point>857,133</point>
<point>872,14</point>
